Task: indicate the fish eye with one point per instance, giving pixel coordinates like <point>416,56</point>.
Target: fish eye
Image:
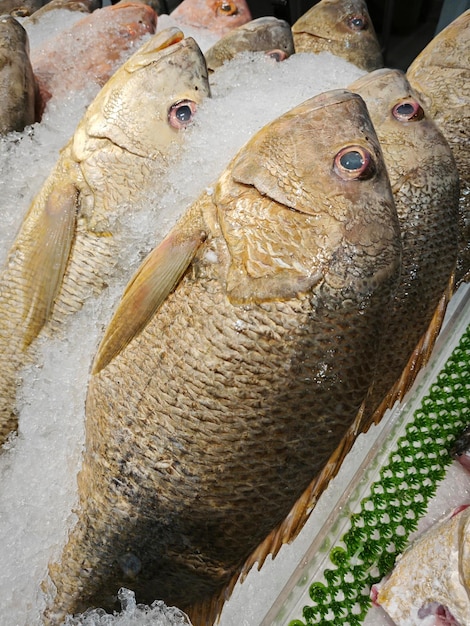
<point>277,55</point>
<point>354,163</point>
<point>357,22</point>
<point>181,113</point>
<point>408,111</point>
<point>226,7</point>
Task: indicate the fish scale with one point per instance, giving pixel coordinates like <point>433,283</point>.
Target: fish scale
<point>205,421</point>
<point>440,75</point>
<point>69,244</point>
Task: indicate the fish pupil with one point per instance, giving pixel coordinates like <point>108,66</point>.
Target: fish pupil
<point>352,161</point>
<point>405,109</point>
<point>184,113</point>
<point>357,23</point>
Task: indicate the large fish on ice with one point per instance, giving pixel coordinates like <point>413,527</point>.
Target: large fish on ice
<point>67,245</point>
<point>440,75</point>
<point>236,360</point>
<point>425,185</point>
<point>217,16</point>
<point>265,34</point>
<point>17,82</point>
<point>342,27</point>
<point>430,583</point>
<point>91,49</point>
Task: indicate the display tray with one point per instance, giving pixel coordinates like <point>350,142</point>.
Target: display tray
<point>370,522</point>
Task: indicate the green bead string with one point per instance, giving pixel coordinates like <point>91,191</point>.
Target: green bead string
<point>398,499</point>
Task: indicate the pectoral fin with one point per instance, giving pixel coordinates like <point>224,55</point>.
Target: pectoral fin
<point>46,258</point>
<point>158,275</point>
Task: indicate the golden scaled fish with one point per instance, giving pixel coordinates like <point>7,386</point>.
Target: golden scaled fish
<point>430,583</point>
<point>217,16</point>
<point>20,8</point>
<point>440,75</point>
<point>342,27</point>
<point>425,185</point>
<point>17,82</point>
<point>66,248</point>
<point>265,34</point>
<point>236,360</point>
<point>91,49</point>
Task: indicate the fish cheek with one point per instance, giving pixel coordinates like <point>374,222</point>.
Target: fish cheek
<point>275,252</point>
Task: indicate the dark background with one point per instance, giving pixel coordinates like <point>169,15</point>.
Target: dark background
<point>403,27</point>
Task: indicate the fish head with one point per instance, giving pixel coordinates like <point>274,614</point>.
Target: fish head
<point>265,34</point>
<point>342,27</point>
<point>302,197</point>
<point>13,36</point>
<point>218,16</point>
<point>440,74</point>
<point>150,99</point>
<point>131,19</point>
<point>415,151</point>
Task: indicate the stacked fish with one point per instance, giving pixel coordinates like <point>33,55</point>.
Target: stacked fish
<point>288,307</point>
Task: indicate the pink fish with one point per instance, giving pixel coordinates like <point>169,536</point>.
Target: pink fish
<point>218,16</point>
<point>91,49</point>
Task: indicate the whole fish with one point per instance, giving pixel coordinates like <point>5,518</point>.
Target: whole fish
<point>217,16</point>
<point>265,34</point>
<point>236,360</point>
<point>91,49</point>
<point>342,27</point>
<point>440,75</point>
<point>17,82</point>
<point>67,245</point>
<point>425,185</point>
<point>431,579</point>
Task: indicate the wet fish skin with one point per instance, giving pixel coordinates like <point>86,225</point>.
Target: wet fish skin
<point>17,82</point>
<point>342,27</point>
<point>206,419</point>
<point>217,16</point>
<point>425,184</point>
<point>265,34</point>
<point>440,75</point>
<point>61,66</point>
<point>68,243</point>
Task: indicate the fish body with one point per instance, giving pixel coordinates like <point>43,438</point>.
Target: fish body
<point>217,16</point>
<point>265,34</point>
<point>91,49</point>
<point>430,583</point>
<point>67,245</point>
<point>342,27</point>
<point>20,8</point>
<point>17,82</point>
<point>440,75</point>
<point>425,184</point>
<point>83,6</point>
<point>236,360</point>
